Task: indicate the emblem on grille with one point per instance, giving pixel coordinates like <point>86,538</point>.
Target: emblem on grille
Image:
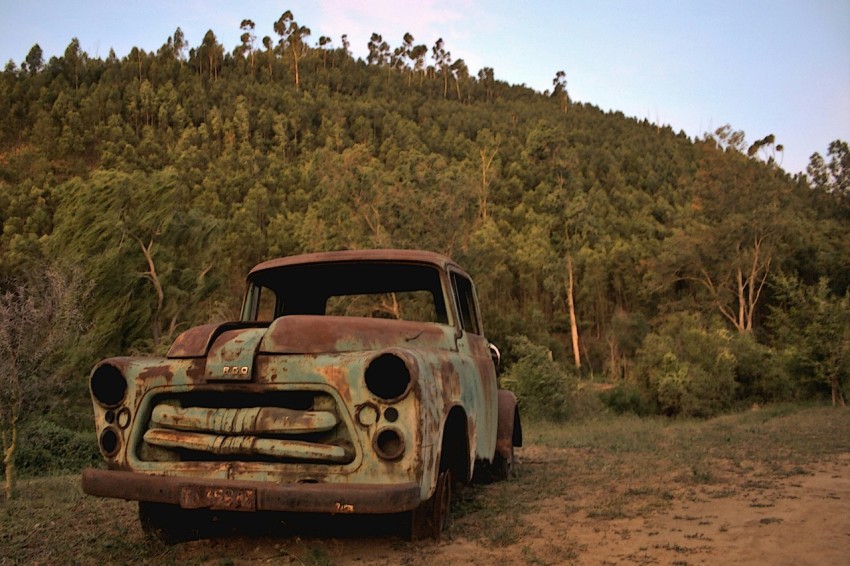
<point>235,370</point>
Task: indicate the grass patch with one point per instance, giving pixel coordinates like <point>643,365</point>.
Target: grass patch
<point>781,439</point>
<point>606,469</point>
<point>609,508</point>
<point>53,522</point>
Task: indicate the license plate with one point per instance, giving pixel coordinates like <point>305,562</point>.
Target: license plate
<point>218,498</point>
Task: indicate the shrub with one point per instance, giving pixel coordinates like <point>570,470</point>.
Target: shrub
<point>46,447</point>
<point>688,368</point>
<point>811,326</point>
<point>544,387</point>
<point>761,372</point>
<point>628,397</point>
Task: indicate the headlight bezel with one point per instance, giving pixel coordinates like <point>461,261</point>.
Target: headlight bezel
<point>389,377</point>
<point>108,385</point>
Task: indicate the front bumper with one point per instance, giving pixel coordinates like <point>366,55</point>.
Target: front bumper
<point>240,495</point>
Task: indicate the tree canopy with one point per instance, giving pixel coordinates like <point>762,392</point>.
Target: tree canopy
<point>166,174</point>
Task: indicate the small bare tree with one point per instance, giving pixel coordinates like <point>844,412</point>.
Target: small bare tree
<point>39,317</point>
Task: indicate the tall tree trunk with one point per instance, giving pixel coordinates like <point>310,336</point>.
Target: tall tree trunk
<point>10,446</point>
<point>747,288</point>
<point>837,396</point>
<point>572,307</point>
<point>487,158</point>
<point>156,324</point>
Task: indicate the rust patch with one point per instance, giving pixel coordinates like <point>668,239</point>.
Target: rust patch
<point>249,420</point>
<point>451,383</point>
<point>287,415</point>
<point>247,445</point>
<point>196,369</point>
<point>308,334</point>
<point>163,371</point>
<point>271,496</point>
<point>338,378</point>
<point>505,429</point>
<point>194,342</point>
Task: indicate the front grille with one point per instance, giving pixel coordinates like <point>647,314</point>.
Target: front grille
<point>226,426</point>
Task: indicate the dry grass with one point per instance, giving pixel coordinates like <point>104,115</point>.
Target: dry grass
<point>607,469</point>
<point>53,522</point>
<point>627,466</point>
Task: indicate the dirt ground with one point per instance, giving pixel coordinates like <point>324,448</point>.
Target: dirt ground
<point>739,518</point>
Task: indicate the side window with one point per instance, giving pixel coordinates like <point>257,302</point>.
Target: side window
<point>266,305</point>
<point>465,297</point>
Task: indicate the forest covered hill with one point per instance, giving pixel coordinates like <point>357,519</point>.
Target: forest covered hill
<point>694,274</point>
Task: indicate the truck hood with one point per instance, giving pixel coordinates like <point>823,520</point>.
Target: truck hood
<point>237,342</point>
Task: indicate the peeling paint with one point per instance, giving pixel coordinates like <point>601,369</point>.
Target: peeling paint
<point>251,415</point>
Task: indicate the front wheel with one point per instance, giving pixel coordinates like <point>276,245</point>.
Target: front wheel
<point>171,523</point>
<point>504,467</point>
<point>431,518</point>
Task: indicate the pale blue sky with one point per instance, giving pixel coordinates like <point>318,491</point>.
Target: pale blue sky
<point>778,66</point>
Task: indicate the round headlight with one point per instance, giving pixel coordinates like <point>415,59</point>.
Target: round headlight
<point>389,444</point>
<point>108,385</point>
<point>388,377</point>
<point>109,442</point>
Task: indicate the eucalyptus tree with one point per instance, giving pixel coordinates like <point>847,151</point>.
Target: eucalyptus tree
<point>417,54</point>
<point>832,177</point>
<point>324,43</point>
<point>379,51</point>
<point>269,54</point>
<point>75,60</point>
<point>407,53</point>
<point>486,78</point>
<point>741,216</point>
<point>488,149</point>
<point>34,60</point>
<point>209,56</point>
<point>559,90</point>
<point>248,38</point>
<point>180,45</point>
<point>292,36</point>
<point>767,148</point>
<point>442,60</point>
<point>460,72</point>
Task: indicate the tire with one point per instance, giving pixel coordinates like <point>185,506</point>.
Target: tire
<point>171,524</point>
<point>504,468</point>
<point>431,518</point>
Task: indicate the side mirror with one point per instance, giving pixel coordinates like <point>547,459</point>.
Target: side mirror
<point>496,356</point>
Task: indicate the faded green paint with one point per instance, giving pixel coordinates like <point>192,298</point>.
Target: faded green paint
<point>153,391</point>
<point>268,420</point>
<point>286,404</point>
<point>232,355</point>
<point>226,445</point>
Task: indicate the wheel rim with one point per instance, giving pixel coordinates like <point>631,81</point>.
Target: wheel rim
<point>442,503</point>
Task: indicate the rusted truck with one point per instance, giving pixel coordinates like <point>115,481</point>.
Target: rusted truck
<point>354,382</point>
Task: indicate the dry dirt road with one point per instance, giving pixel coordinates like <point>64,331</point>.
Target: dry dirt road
<point>741,516</point>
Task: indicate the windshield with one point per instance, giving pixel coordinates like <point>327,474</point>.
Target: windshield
<point>402,291</point>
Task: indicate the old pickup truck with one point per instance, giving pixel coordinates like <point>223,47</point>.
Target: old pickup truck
<point>354,382</point>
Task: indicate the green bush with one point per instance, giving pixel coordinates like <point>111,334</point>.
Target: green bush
<point>45,447</point>
<point>688,368</point>
<point>628,398</point>
<point>811,327</point>
<point>544,388</point>
<point>763,374</point>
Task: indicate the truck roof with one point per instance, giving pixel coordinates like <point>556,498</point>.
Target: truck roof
<point>372,255</point>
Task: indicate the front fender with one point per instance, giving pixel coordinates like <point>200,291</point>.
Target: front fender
<point>509,429</point>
